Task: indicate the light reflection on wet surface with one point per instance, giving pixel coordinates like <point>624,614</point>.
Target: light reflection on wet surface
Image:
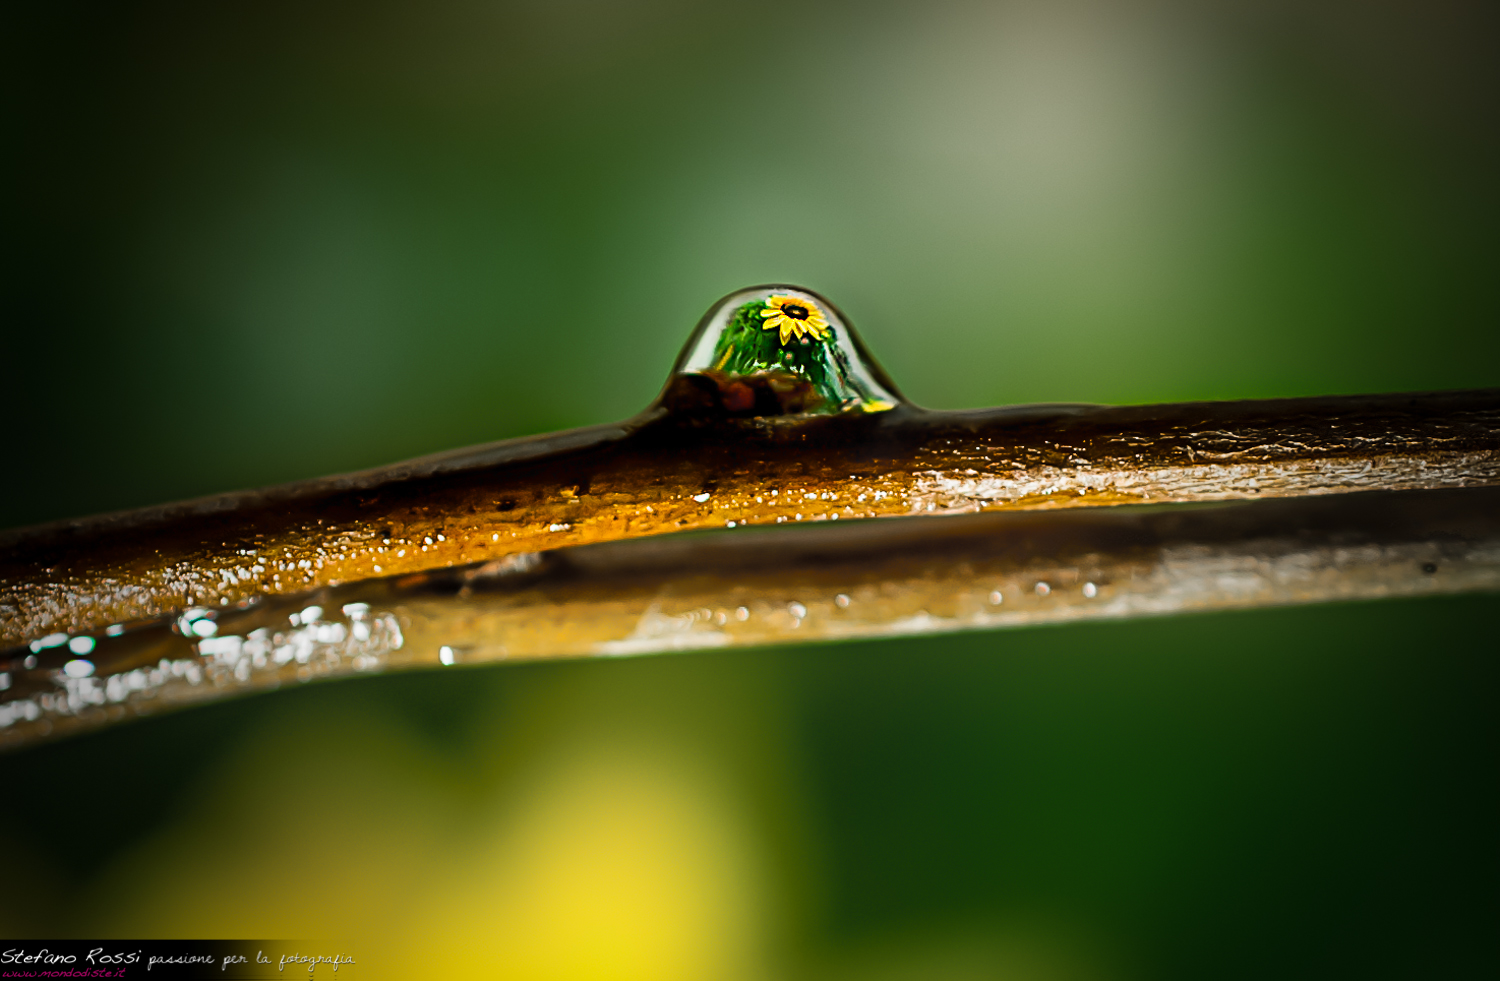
<point>731,588</point>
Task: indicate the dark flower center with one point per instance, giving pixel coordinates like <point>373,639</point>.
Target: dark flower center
<point>794,311</point>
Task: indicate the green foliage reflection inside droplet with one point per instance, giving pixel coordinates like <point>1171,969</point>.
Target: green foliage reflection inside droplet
<point>749,346</point>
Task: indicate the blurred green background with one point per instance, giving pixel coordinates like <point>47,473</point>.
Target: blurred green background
<point>255,243</point>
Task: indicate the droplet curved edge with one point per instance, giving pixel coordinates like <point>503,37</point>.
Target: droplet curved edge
<point>816,367</point>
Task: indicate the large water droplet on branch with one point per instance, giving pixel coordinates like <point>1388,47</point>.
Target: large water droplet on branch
<point>776,351</point>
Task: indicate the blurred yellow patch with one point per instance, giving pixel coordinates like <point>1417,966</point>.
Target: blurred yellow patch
<point>611,849</point>
<point>612,870</point>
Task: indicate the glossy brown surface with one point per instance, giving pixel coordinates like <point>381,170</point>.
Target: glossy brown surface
<point>673,471</point>
<point>838,581</point>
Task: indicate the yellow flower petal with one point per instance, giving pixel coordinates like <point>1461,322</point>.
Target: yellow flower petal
<point>812,323</point>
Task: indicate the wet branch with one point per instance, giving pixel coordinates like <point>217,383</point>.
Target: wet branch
<point>838,581</point>
<point>668,471</point>
<point>774,417</point>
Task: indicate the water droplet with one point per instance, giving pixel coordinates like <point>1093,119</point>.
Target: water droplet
<point>776,351</point>
<point>1090,590</point>
<point>445,654</point>
<point>81,645</point>
<point>742,613</point>
<point>841,601</point>
<point>996,598</point>
<point>700,498</point>
<point>205,628</point>
<point>114,630</point>
<point>1042,589</point>
<point>78,669</point>
<point>29,662</point>
<point>796,609</point>
<point>51,640</point>
<point>312,614</point>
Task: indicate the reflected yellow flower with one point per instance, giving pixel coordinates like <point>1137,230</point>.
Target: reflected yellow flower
<point>794,315</point>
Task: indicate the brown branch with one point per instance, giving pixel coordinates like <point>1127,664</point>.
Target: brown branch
<point>837,581</point>
<point>673,471</point>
